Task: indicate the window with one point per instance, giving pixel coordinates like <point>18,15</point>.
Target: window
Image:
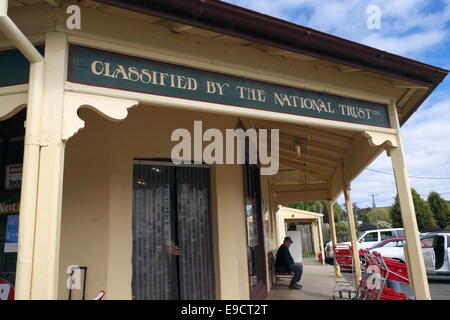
<point>401,233</point>
<point>448,241</point>
<point>386,235</point>
<point>372,236</point>
<point>391,244</point>
<point>428,242</point>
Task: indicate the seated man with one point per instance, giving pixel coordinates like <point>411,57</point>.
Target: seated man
<point>284,263</point>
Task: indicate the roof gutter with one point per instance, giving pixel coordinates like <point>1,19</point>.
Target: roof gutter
<point>239,22</point>
<point>32,149</point>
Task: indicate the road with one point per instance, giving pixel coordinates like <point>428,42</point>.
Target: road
<point>439,286</point>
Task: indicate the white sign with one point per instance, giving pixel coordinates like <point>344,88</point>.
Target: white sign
<point>13,177</point>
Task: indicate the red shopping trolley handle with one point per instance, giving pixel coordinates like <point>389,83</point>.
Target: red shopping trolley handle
<point>100,295</point>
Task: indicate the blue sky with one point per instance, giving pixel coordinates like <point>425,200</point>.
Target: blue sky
<point>417,29</point>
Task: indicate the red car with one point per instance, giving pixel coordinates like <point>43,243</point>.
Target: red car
<point>393,242</point>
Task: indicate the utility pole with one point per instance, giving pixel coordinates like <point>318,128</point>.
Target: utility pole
<point>374,208</point>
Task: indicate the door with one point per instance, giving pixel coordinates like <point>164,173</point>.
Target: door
<point>172,248</point>
<point>428,253</point>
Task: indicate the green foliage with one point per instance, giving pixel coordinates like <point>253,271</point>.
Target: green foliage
<point>396,214</point>
<point>313,206</point>
<point>424,214</point>
<point>317,206</point>
<point>384,224</point>
<point>440,209</point>
<point>366,226</point>
<point>382,214</point>
<point>447,228</point>
<point>337,210</point>
<point>365,218</point>
<point>342,232</point>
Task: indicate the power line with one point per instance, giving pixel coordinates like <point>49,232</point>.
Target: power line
<point>412,177</point>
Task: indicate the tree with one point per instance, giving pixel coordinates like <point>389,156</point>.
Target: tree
<point>365,218</point>
<point>424,214</point>
<point>396,214</point>
<point>319,207</point>
<point>440,209</point>
<point>383,215</point>
<point>338,214</point>
<point>342,232</point>
<point>367,226</point>
<point>384,224</point>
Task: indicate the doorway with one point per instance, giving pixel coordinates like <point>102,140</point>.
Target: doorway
<point>255,233</point>
<point>172,241</point>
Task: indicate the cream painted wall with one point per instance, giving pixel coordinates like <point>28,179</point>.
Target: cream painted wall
<point>84,221</point>
<point>97,203</point>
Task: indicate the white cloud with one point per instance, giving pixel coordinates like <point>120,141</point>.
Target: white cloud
<point>414,28</point>
<point>426,141</point>
<point>414,25</point>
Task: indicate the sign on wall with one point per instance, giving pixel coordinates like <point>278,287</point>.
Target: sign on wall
<point>12,233</point>
<point>112,70</point>
<point>13,177</point>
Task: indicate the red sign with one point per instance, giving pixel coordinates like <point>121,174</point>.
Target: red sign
<point>6,290</point>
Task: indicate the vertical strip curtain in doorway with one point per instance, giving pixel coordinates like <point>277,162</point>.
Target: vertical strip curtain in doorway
<point>154,270</point>
<point>196,270</point>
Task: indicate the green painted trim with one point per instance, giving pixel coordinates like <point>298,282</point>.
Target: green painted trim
<point>111,70</point>
<point>15,68</point>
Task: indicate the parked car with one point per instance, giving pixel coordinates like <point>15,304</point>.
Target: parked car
<point>366,240</point>
<point>390,243</point>
<point>435,249</point>
<point>391,248</point>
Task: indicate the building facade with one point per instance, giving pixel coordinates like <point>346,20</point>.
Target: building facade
<point>103,104</point>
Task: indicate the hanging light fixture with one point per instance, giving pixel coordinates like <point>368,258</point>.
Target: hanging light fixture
<point>298,149</point>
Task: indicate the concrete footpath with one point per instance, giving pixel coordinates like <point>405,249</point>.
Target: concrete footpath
<point>318,283</point>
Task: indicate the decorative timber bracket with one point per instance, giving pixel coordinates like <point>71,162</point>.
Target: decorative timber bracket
<point>112,108</point>
<point>11,104</point>
<point>377,139</point>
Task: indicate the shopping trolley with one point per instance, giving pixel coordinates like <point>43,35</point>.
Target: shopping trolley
<point>344,258</point>
<point>376,273</point>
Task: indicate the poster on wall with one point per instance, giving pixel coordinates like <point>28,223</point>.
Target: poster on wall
<point>13,177</point>
<point>11,234</point>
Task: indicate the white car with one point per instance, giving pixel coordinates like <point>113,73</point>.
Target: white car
<point>435,249</point>
<point>366,240</point>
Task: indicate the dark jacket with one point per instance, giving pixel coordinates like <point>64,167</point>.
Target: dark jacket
<point>284,258</point>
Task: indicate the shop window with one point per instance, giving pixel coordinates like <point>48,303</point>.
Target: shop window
<point>11,157</point>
